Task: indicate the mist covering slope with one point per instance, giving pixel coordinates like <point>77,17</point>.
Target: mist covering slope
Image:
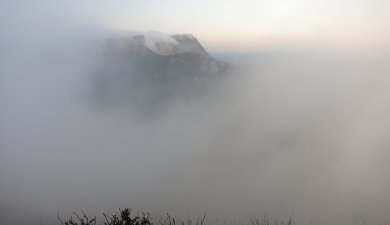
<point>304,131</point>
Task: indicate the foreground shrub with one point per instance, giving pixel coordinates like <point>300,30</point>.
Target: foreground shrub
<point>124,218</point>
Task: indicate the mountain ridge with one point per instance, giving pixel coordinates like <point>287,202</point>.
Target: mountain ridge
<point>154,67</point>
<point>157,42</point>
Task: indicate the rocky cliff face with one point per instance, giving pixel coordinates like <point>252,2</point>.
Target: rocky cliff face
<point>152,68</point>
<point>189,43</point>
<point>159,43</point>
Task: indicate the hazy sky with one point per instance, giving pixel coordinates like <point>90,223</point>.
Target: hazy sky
<point>256,23</point>
<point>222,24</point>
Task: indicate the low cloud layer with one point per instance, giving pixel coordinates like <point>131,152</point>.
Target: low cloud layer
<point>302,131</point>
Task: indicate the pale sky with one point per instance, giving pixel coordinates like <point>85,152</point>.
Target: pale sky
<point>249,24</point>
<point>218,24</point>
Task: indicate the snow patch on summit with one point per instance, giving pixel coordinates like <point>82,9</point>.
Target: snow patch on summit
<point>161,43</point>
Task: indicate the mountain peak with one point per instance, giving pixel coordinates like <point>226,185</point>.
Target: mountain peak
<point>159,43</point>
<point>157,64</point>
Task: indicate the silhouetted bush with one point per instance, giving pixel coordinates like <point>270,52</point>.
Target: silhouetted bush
<point>124,217</point>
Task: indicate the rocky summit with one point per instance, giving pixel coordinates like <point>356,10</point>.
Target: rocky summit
<point>154,67</point>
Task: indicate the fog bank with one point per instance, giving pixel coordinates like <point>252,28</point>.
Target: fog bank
<point>302,131</point>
